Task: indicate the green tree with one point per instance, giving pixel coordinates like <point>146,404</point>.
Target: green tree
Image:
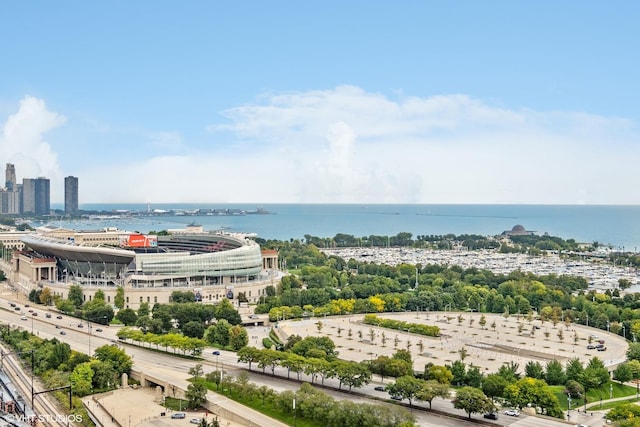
<point>494,385</point>
<point>46,296</point>
<point>127,316</point>
<point>193,329</point>
<point>407,387</point>
<point>118,301</point>
<point>225,310</point>
<point>536,392</point>
<point>623,373</point>
<point>439,373</point>
<point>574,389</point>
<point>534,370</point>
<point>219,333</point>
<point>248,355</point>
<point>633,352</point>
<point>143,310</point>
<point>104,376</point>
<point>574,369</point>
<point>509,371</point>
<point>238,337</point>
<point>182,297</point>
<point>554,374</point>
<point>471,400</point>
<point>431,390</point>
<point>117,357</point>
<point>82,379</point>
<point>75,295</point>
<point>196,394</point>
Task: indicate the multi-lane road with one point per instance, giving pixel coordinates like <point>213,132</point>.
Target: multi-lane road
<point>175,369</point>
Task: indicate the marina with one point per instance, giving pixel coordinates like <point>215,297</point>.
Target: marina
<point>600,274</point>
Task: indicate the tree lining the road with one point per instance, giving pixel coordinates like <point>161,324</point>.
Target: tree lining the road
<point>57,365</point>
<point>313,408</point>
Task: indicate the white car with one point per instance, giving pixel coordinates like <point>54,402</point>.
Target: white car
<point>512,413</point>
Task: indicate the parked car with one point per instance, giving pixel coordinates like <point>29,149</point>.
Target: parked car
<point>602,348</point>
<point>512,412</point>
<point>591,347</point>
<point>396,397</point>
<point>178,415</point>
<point>195,420</point>
<point>379,388</point>
<point>491,416</point>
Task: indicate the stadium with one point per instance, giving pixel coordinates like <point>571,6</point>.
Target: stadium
<point>211,264</point>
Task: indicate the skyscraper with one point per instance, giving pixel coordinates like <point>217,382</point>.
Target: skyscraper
<point>36,197</point>
<point>10,177</point>
<point>71,195</point>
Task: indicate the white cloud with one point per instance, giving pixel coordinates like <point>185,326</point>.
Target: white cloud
<point>346,145</point>
<point>22,140</point>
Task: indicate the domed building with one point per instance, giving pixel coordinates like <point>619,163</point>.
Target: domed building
<point>518,230</point>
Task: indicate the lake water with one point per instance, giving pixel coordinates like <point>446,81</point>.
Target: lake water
<point>615,225</point>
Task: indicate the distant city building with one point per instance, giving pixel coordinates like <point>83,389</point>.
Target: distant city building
<point>36,198</point>
<point>10,177</point>
<point>10,201</point>
<point>71,195</point>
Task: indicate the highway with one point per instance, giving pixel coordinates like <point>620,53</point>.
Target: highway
<point>175,369</point>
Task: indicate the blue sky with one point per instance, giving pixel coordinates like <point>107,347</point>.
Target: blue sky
<point>324,102</point>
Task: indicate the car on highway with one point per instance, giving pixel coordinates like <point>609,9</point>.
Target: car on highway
<point>58,317</point>
<point>394,397</point>
<point>63,333</point>
<point>178,415</point>
<point>23,318</point>
<point>379,388</point>
<point>491,415</point>
<point>602,348</point>
<point>58,326</point>
<point>48,315</point>
<point>512,412</point>
<point>33,313</point>
<point>17,309</point>
<point>26,305</point>
<point>215,353</point>
<point>195,420</point>
<point>12,304</point>
<point>591,347</point>
<point>98,329</point>
<point>80,325</point>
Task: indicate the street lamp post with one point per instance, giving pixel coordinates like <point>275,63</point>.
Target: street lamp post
<point>610,390</point>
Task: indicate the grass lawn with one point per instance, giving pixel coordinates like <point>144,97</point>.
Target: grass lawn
<point>175,404</point>
<point>594,395</point>
<point>610,405</point>
<point>267,409</point>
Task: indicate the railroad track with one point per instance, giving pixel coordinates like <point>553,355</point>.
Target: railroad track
<point>42,405</point>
